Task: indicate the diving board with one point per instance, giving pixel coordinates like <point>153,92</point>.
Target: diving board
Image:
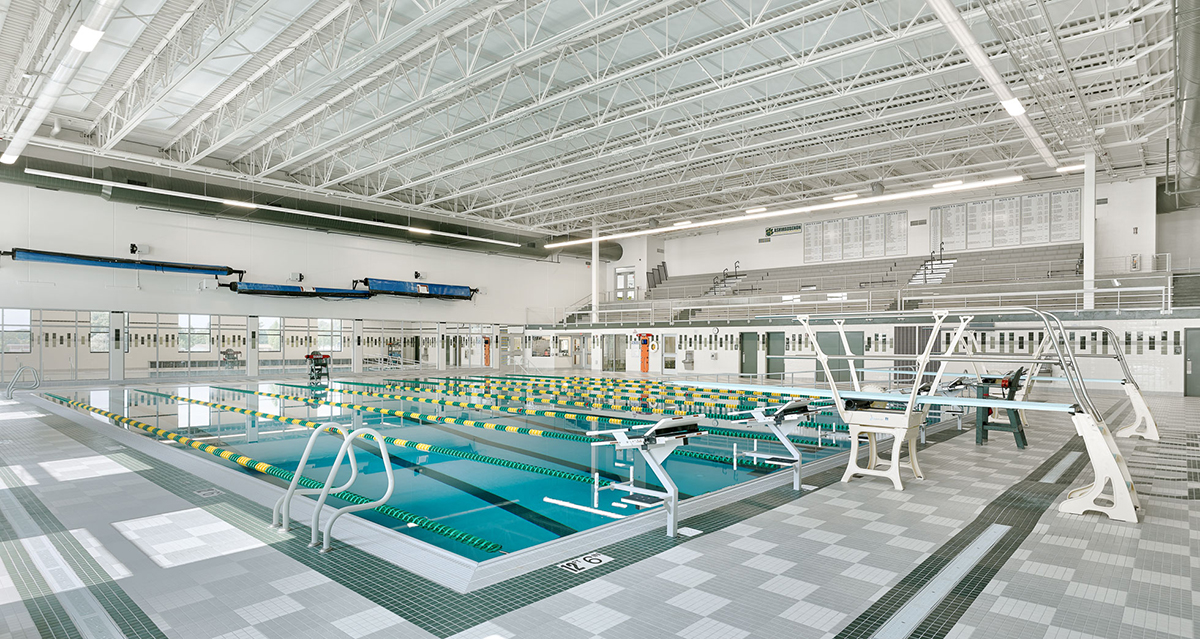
<point>1112,492</point>
<point>932,400</point>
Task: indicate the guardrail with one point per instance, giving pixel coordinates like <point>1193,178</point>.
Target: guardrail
<point>1132,292</point>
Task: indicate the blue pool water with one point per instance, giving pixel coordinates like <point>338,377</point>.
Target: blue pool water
<point>515,508</point>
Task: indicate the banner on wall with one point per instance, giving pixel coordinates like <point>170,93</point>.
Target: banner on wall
<point>853,238</point>
<point>1036,218</point>
<point>793,229</point>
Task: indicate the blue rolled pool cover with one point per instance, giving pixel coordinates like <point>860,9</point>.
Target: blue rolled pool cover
<point>417,289</point>
<point>288,290</point>
<point>31,255</point>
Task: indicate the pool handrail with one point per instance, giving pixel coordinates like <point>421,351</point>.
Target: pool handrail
<point>12,385</point>
<point>348,444</point>
<point>281,513</point>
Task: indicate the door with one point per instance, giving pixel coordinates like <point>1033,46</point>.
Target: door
<point>613,349</point>
<point>749,347</point>
<point>831,344</point>
<point>774,353</point>
<point>1191,363</point>
<point>911,340</point>
<point>669,350</point>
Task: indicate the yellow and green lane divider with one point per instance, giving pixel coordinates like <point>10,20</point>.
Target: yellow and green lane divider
<point>563,402</point>
<point>663,390</point>
<point>400,443</point>
<point>741,434</point>
<point>634,396</point>
<point>279,473</point>
<point>720,459</point>
<point>616,421</point>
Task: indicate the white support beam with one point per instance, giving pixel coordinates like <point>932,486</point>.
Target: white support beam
<point>291,81</point>
<point>186,49</point>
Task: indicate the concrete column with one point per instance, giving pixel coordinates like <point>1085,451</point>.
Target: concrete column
<point>117,339</point>
<point>252,402</point>
<point>595,276</point>
<point>356,347</point>
<point>439,349</point>
<point>252,346</point>
<point>1087,221</point>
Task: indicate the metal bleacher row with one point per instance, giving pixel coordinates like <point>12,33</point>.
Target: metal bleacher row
<point>1024,276</point>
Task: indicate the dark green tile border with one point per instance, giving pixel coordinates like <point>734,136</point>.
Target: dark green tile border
<point>128,616</point>
<point>435,608</point>
<point>1020,507</point>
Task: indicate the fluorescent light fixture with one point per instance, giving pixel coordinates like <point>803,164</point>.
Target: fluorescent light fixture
<point>1070,168</point>
<point>1013,106</point>
<point>944,185</point>
<point>264,207</point>
<point>757,209</point>
<point>86,39</point>
<point>842,198</point>
<point>824,206</point>
<point>239,204</point>
<point>8,159</point>
<point>686,222</point>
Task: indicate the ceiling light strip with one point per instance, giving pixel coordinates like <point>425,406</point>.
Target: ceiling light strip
<point>889,197</point>
<point>950,18</point>
<point>264,207</point>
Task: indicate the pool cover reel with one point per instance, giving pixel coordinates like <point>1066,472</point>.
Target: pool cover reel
<point>416,289</point>
<point>30,255</point>
<point>288,290</point>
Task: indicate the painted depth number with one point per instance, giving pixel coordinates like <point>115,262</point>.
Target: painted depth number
<point>586,562</point>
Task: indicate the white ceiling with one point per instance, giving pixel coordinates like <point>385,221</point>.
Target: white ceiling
<point>552,116</point>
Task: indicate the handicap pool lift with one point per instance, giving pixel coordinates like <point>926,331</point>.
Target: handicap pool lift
<point>655,444</point>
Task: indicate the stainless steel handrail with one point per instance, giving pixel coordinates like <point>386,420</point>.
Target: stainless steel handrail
<point>37,380</point>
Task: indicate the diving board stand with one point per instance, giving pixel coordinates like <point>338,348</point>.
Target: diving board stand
<point>1111,493</point>
<point>655,444</point>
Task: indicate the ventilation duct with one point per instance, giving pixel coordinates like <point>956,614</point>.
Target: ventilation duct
<point>1187,101</point>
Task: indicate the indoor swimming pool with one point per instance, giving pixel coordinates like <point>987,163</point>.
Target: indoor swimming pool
<point>476,474</point>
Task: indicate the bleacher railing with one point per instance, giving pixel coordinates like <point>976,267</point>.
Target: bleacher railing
<point>1128,292</point>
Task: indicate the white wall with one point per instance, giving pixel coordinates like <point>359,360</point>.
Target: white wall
<point>1179,235</point>
<point>1157,370</point>
<point>73,223</point>
<point>1126,224</point>
<point>1130,204</point>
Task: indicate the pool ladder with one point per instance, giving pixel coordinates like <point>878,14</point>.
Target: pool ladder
<point>12,386</point>
<point>281,515</point>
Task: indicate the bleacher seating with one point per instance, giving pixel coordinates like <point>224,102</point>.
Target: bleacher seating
<point>868,285</point>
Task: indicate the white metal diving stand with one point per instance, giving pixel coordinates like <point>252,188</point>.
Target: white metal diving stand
<point>655,444</point>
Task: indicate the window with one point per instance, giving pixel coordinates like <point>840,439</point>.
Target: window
<point>270,334</point>
<point>329,335</point>
<point>193,334</point>
<point>15,333</point>
<point>98,338</point>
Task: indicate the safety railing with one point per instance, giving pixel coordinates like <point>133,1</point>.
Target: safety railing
<point>386,363</point>
<point>12,385</point>
<point>1129,292</point>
